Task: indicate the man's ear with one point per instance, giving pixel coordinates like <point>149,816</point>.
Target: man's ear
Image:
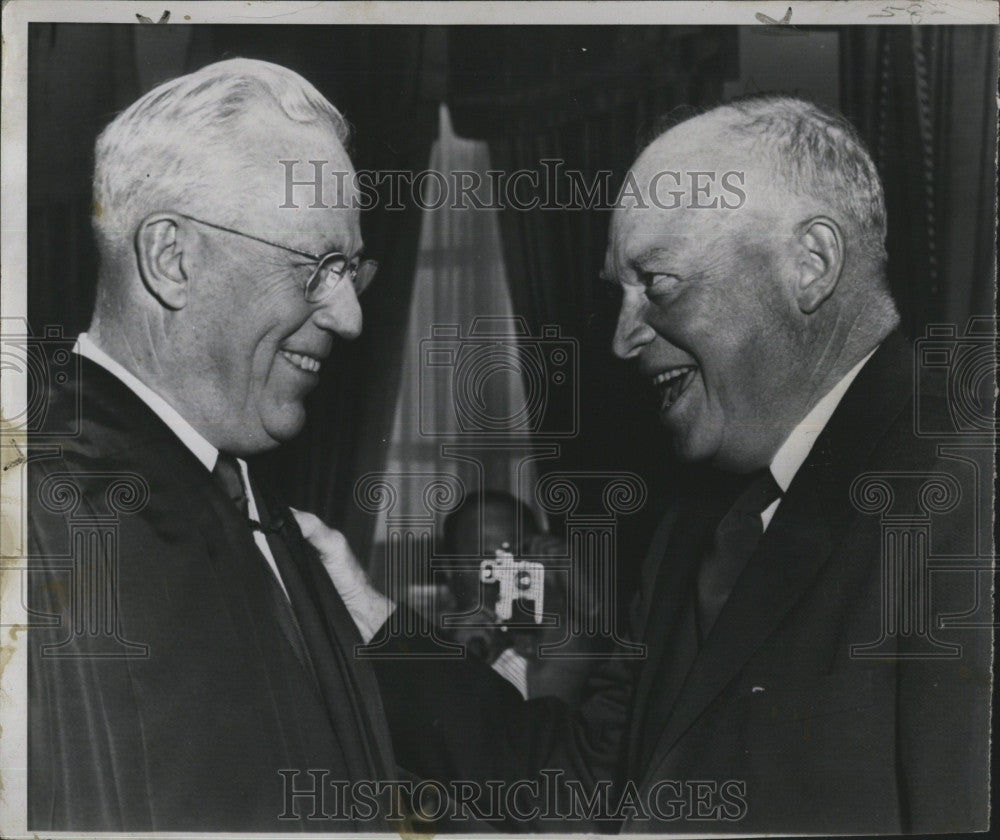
<point>160,253</point>
<point>820,264</point>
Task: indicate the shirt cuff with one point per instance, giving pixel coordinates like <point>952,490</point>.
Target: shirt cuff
<point>514,668</point>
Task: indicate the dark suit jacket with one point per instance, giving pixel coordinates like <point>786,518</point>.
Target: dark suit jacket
<point>179,713</point>
<point>812,738</point>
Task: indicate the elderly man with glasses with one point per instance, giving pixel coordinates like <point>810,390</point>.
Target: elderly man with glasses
<point>197,670</point>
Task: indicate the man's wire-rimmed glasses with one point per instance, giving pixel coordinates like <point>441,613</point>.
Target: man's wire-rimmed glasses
<point>330,268</point>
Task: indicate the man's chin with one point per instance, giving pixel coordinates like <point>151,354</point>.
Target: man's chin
<point>689,447</point>
<point>284,424</point>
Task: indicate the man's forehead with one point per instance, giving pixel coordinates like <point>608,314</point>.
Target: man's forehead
<point>708,134</point>
<point>303,188</point>
<point>680,187</point>
<point>639,231</point>
<point>306,147</point>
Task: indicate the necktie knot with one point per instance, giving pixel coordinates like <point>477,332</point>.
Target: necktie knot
<point>761,491</point>
<point>229,476</point>
<point>736,537</point>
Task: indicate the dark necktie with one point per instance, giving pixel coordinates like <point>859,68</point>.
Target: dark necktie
<point>308,623</point>
<point>733,543</point>
<point>331,669</point>
<point>228,474</point>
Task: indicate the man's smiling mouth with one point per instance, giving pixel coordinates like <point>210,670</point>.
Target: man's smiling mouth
<point>309,364</point>
<point>672,383</point>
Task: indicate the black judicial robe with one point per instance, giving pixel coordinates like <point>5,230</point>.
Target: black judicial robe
<point>167,696</point>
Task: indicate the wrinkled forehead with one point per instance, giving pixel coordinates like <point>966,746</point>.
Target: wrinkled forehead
<point>640,226</point>
<point>693,181</point>
<point>298,183</point>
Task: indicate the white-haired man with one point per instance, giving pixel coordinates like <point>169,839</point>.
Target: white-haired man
<point>791,685</point>
<point>202,670</point>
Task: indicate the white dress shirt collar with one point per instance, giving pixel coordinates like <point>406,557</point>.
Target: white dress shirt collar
<point>202,449</point>
<point>189,436</point>
<point>793,452</point>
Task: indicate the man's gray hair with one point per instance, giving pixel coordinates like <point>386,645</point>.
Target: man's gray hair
<point>164,149</point>
<point>818,152</point>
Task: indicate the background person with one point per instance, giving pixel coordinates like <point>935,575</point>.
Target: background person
<point>492,520</point>
<point>769,334</point>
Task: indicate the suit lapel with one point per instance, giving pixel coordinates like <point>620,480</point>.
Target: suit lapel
<point>799,540</point>
<point>359,672</point>
<point>361,701</point>
<point>221,552</point>
<point>792,551</point>
<point>130,432</point>
<point>652,566</point>
<point>672,559</point>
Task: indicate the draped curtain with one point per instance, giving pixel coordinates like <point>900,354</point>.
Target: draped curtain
<point>924,98</point>
<point>387,80</point>
<point>460,289</point>
<point>582,96</point>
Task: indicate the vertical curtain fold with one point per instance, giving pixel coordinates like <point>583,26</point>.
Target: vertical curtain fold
<point>924,99</point>
<point>581,96</point>
<point>387,80</point>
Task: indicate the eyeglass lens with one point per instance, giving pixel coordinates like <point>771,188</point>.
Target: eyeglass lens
<point>333,269</point>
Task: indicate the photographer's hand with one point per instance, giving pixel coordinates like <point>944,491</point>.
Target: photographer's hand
<point>368,607</point>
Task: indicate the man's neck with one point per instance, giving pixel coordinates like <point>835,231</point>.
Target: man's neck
<point>157,402</point>
<point>796,447</point>
<point>117,345</point>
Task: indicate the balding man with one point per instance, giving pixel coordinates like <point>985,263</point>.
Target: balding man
<point>788,686</point>
<point>202,668</point>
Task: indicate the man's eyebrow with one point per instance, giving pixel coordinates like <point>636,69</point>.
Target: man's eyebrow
<point>650,254</point>
<point>358,254</point>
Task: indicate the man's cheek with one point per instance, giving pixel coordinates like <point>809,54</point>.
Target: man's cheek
<point>707,421</point>
<point>691,443</point>
<point>677,323</point>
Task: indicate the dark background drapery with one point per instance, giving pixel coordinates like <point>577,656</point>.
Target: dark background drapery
<point>387,81</point>
<point>583,96</point>
<point>923,98</point>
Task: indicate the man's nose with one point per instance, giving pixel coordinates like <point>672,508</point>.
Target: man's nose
<point>340,313</point>
<point>632,333</point>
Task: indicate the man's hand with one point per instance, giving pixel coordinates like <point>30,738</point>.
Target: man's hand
<point>368,607</point>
